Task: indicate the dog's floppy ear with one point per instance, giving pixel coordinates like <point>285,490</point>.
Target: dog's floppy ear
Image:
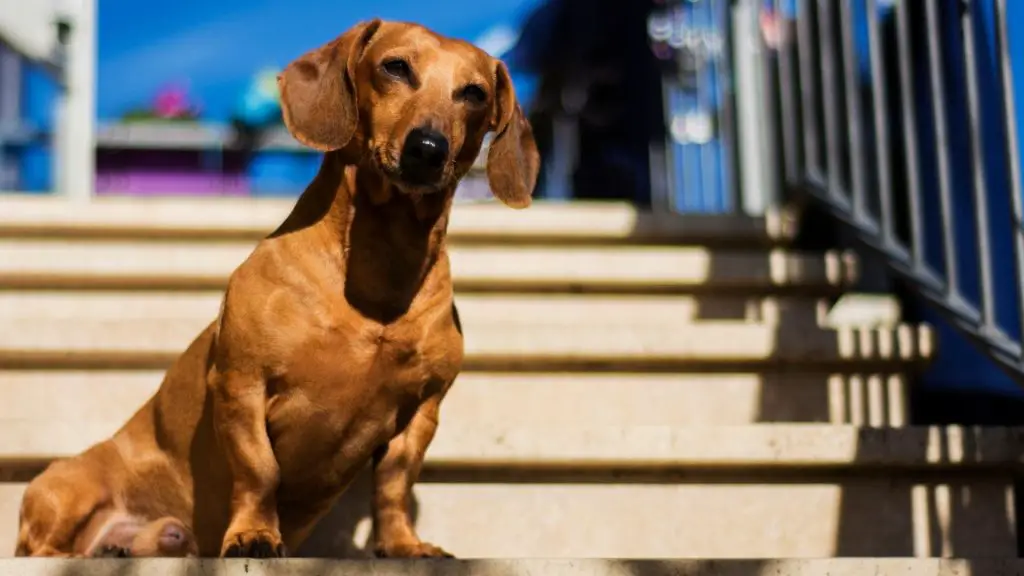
<point>512,161</point>
<point>318,96</point>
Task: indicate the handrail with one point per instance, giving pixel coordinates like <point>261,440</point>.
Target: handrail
<point>908,134</point>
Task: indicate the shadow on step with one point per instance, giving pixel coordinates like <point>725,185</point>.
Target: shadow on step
<point>347,530</point>
<point>911,493</point>
<point>858,399</point>
<point>950,493</point>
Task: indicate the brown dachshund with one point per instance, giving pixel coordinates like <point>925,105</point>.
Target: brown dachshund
<point>338,336</point>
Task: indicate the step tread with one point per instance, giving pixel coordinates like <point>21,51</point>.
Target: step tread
<point>134,340</point>
<point>528,399</point>
<point>250,218</point>
<point>496,446</point>
<point>882,515</point>
<point>506,308</point>
<point>204,264</point>
<point>510,567</point>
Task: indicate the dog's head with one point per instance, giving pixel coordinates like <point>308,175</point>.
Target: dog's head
<point>414,106</point>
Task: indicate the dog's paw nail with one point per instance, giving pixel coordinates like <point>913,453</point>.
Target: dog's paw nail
<point>419,550</point>
<point>233,551</point>
<point>113,552</point>
<point>261,549</point>
<point>255,546</point>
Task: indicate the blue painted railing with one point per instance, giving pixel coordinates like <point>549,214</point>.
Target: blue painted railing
<point>903,119</point>
<point>27,96</point>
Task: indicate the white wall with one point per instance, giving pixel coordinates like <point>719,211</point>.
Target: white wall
<point>28,25</point>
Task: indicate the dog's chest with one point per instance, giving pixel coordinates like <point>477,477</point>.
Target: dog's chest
<point>364,370</point>
<point>373,360</point>
<point>352,390</point>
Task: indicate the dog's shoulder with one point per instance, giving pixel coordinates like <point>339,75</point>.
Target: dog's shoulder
<point>272,303</point>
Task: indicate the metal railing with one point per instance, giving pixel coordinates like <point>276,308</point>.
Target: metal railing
<point>900,118</point>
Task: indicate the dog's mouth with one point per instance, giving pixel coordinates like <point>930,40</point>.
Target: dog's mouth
<point>408,180</point>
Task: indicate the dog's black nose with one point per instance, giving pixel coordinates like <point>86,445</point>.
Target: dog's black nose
<point>424,153</point>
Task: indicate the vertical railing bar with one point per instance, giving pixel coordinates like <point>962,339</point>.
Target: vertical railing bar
<point>977,158</point>
<point>909,115</point>
<point>673,187</point>
<point>708,196</point>
<point>787,102</point>
<point>768,78</point>
<point>883,144</point>
<point>1013,150</point>
<point>808,88</point>
<point>942,147</point>
<point>830,91</point>
<point>727,109</point>
<point>855,115</point>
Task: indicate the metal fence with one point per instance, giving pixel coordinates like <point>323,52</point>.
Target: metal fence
<point>901,118</point>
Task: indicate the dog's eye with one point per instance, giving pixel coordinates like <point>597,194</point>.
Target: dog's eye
<point>473,94</point>
<point>397,68</point>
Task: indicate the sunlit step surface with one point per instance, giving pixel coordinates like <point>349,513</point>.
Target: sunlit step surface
<point>144,342</point>
<point>482,398</point>
<point>475,310</point>
<point>254,218</point>
<point>644,447</point>
<point>727,518</point>
<point>769,491</point>
<point>35,263</point>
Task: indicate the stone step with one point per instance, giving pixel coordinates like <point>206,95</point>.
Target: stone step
<point>252,218</point>
<point>850,517</point>
<point>643,449</point>
<point>763,491</point>
<point>506,567</point>
<point>154,264</point>
<point>475,310</point>
<point>481,398</point>
<point>143,342</point>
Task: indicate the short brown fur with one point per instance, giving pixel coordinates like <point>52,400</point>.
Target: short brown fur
<point>338,336</point>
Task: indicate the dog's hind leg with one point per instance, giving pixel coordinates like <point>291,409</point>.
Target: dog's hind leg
<point>166,537</point>
<point>55,509</point>
<point>126,536</point>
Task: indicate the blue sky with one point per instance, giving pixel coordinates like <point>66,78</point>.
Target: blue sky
<point>215,46</point>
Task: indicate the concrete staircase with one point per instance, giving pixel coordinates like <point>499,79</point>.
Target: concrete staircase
<point>635,387</point>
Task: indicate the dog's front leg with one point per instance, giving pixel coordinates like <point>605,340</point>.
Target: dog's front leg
<point>239,412</point>
<point>394,472</point>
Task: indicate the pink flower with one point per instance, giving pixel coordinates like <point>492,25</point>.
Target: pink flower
<point>171,102</point>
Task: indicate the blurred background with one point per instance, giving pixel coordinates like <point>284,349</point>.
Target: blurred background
<point>185,95</point>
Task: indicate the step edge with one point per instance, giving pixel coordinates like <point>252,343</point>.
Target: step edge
<point>526,567</point>
<point>768,446</point>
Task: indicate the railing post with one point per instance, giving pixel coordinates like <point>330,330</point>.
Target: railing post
<point>74,156</point>
<point>757,170</point>
<point>10,107</point>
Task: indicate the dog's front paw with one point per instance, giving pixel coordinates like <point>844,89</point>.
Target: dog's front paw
<point>412,549</point>
<point>254,544</point>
